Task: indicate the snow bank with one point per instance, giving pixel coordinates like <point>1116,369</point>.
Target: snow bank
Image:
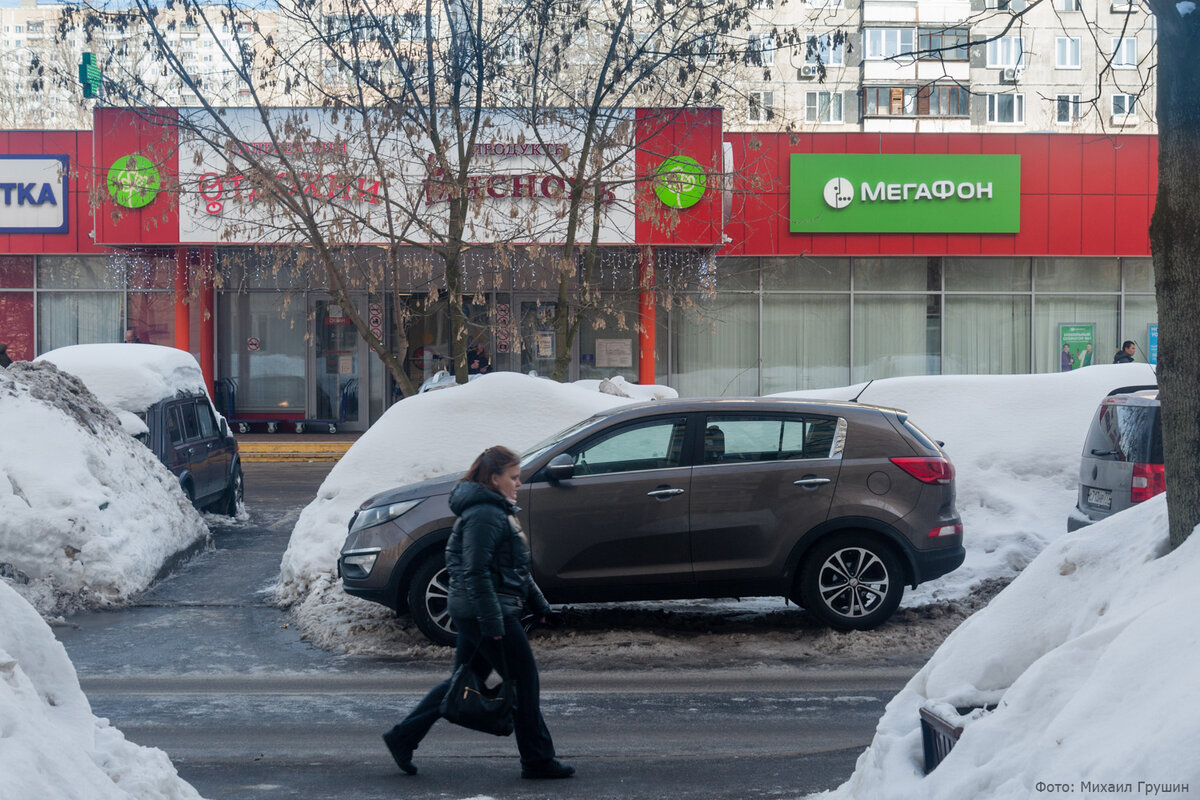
<point>424,436</point>
<point>1015,441</point>
<point>51,746</point>
<point>88,515</point>
<point>1101,689</point>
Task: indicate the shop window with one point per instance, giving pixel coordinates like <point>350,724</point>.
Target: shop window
<point>986,334</point>
<point>79,272</point>
<point>66,318</point>
<point>16,324</point>
<point>987,274</point>
<point>713,341</point>
<point>151,315</point>
<point>944,44</point>
<point>805,341</point>
<point>1141,311</point>
<point>16,272</point>
<point>806,273</point>
<point>1050,311</point>
<point>896,335</point>
<point>1076,275</point>
<point>1139,274</point>
<point>897,274</point>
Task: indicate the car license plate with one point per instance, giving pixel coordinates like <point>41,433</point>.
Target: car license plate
<point>1099,498</point>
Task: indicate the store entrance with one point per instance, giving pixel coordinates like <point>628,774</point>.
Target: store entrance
<point>338,356</point>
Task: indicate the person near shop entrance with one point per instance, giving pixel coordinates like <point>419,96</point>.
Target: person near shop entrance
<point>477,360</point>
<point>491,587</point>
<point>131,336</point>
<point>4,359</point>
<point>1125,354</point>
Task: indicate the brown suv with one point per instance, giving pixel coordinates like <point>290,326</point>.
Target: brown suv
<point>834,505</point>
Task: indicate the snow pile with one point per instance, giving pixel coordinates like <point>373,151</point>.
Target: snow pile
<point>88,515</point>
<point>1087,661</point>
<point>129,378</point>
<point>421,437</point>
<point>1015,441</point>
<point>51,746</point>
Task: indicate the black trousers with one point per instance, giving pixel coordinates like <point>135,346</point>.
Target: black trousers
<point>533,738</point>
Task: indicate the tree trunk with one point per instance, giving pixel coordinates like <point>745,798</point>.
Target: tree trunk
<point>1175,243</point>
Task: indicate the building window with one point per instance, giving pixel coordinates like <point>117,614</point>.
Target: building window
<point>1124,105</point>
<point>943,101</point>
<point>889,100</point>
<point>762,107</point>
<point>705,47</point>
<point>1125,52</point>
<point>823,106</point>
<point>1066,108</point>
<point>948,44</point>
<point>1006,108</point>
<point>1006,52</point>
<point>882,43</point>
<point>761,50</point>
<point>1007,5</point>
<point>824,50</point>
<point>1066,5</point>
<point>1066,52</point>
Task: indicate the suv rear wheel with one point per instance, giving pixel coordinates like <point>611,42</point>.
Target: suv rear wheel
<point>851,581</point>
<point>428,600</point>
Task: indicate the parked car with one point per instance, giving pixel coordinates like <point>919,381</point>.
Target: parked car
<point>159,396</point>
<point>834,505</point>
<point>1122,461</point>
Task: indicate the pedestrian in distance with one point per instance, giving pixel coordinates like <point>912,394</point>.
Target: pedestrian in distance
<point>478,362</point>
<point>1125,354</point>
<point>4,359</point>
<point>131,336</point>
<point>491,586</point>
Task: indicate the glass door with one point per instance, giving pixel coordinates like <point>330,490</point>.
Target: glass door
<point>338,355</point>
<point>537,337</point>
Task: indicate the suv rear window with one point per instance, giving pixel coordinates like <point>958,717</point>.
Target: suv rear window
<point>1126,433</point>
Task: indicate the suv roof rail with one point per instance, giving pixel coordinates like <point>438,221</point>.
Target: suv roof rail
<point>1131,389</point>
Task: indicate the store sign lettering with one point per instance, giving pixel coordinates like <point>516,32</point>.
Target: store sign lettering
<point>217,190</point>
<point>859,193</point>
<point>33,194</point>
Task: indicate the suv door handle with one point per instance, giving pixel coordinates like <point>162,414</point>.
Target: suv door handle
<point>810,483</point>
<point>661,493</point>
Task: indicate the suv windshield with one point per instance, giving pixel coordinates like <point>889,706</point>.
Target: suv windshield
<point>1126,433</point>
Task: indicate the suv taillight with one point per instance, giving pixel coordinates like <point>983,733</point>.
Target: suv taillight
<point>927,470</point>
<point>1148,480</point>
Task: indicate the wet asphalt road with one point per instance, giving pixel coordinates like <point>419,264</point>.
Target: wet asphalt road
<point>205,668</point>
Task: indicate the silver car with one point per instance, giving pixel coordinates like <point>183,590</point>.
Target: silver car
<point>1122,460</point>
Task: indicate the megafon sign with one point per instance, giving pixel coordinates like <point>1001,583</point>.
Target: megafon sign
<point>860,193</point>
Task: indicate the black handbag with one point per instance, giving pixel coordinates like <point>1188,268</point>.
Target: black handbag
<point>471,703</point>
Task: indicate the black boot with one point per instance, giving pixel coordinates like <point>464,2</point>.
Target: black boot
<point>548,769</point>
<point>401,751</point>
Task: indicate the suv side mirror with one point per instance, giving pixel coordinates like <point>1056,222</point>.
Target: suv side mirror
<point>224,428</point>
<point>560,468</point>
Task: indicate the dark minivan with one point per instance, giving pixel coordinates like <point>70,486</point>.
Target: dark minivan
<point>836,506</point>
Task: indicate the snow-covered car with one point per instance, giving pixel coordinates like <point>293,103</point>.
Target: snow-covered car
<point>159,396</point>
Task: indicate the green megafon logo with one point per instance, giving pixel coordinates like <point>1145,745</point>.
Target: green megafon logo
<point>680,182</point>
<point>133,181</point>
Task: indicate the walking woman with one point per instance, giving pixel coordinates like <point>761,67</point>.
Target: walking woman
<point>487,558</point>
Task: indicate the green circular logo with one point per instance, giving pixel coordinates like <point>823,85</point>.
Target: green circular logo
<point>680,182</point>
<point>133,181</point>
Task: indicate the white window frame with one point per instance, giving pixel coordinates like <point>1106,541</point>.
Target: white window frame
<point>1066,5</point>
<point>760,106</point>
<point>1073,104</point>
<point>876,44</point>
<point>993,108</point>
<point>826,51</point>
<point>1007,5</point>
<point>1129,102</point>
<point>1000,53</point>
<point>1067,51</point>
<point>834,107</point>
<point>764,45</point>
<point>1124,50</point>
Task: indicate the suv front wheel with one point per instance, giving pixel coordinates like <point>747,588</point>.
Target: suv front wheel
<point>851,582</point>
<point>428,600</point>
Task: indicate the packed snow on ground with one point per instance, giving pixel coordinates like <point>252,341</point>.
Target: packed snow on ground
<point>129,378</point>
<point>1082,673</point>
<point>88,515</point>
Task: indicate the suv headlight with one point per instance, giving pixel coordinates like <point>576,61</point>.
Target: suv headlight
<point>377,515</point>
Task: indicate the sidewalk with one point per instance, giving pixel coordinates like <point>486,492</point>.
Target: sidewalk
<point>294,446</point>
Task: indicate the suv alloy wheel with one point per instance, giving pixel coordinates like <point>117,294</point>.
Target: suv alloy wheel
<point>851,582</point>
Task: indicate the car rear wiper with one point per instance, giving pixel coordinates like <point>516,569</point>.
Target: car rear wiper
<point>1104,452</point>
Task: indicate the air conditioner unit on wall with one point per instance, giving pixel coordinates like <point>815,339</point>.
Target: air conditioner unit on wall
<point>1009,75</point>
<point>809,71</point>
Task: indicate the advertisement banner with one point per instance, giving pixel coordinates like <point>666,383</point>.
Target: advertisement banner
<point>33,194</point>
<point>1152,343</point>
<point>877,193</point>
<point>1076,345</point>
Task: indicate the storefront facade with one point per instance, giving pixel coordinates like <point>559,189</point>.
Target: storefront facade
<point>798,295</point>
